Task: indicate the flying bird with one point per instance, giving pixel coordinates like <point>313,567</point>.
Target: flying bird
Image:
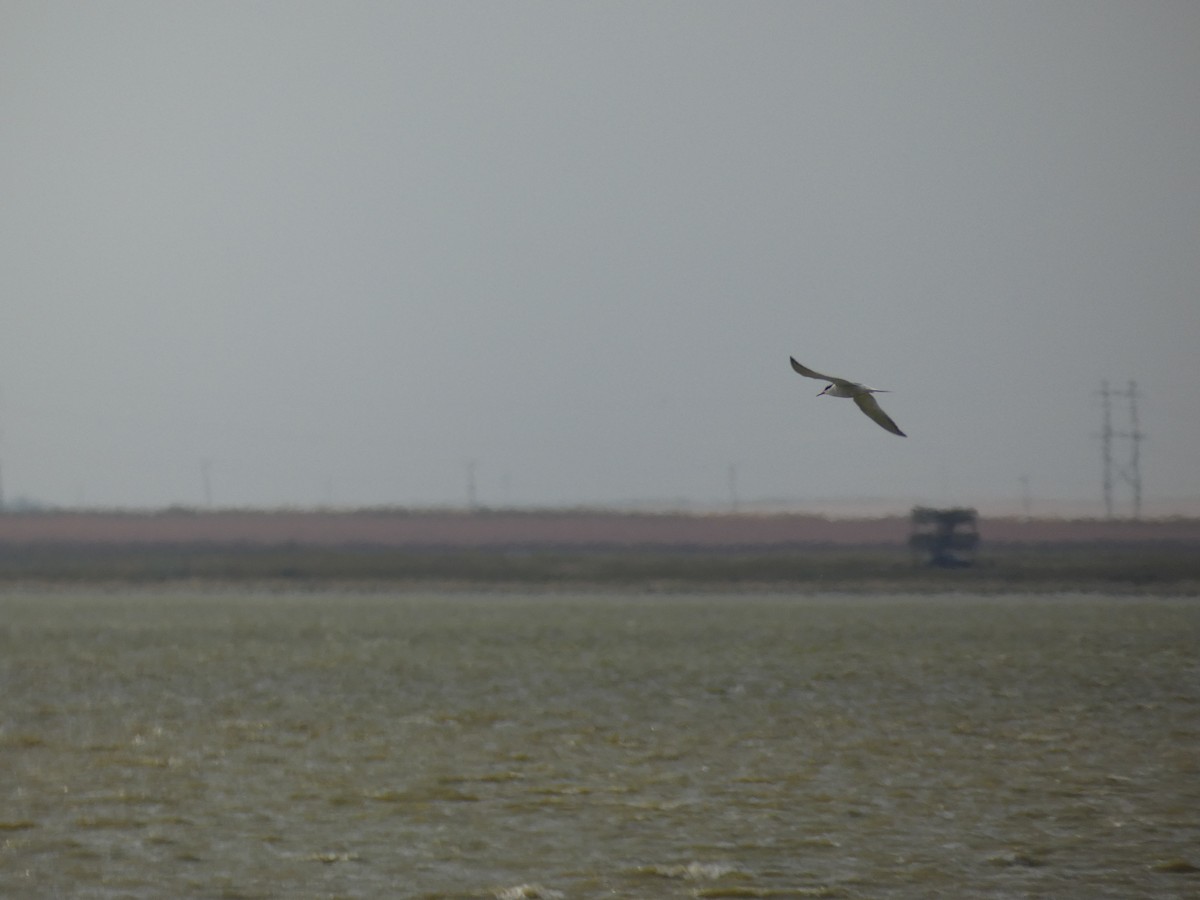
<point>859,393</point>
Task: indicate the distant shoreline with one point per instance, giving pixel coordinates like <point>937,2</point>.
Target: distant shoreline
<point>548,529</point>
<point>488,549</point>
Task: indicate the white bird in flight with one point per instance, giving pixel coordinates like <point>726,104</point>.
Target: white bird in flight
<point>859,393</point>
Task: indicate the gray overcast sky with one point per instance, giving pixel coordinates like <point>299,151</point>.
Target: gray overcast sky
<point>339,249</point>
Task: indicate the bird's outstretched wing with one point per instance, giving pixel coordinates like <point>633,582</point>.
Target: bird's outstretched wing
<point>870,406</point>
<point>809,373</point>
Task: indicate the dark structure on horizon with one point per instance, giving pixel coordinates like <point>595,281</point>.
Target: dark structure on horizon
<point>947,537</point>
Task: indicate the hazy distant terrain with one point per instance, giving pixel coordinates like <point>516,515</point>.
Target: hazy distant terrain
<point>589,547</point>
<point>547,529</point>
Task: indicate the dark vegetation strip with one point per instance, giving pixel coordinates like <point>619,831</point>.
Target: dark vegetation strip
<point>1174,568</point>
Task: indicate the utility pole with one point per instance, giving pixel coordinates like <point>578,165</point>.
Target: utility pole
<point>206,481</point>
<point>1131,473</point>
<point>471,501</point>
<point>2,506</point>
<point>1106,435</point>
<point>733,488</point>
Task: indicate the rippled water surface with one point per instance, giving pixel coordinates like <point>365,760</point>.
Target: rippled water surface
<point>237,744</point>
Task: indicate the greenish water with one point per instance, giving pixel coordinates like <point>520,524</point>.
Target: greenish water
<point>227,743</point>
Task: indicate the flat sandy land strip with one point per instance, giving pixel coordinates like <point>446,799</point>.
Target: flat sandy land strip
<point>561,530</point>
<point>587,547</point>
